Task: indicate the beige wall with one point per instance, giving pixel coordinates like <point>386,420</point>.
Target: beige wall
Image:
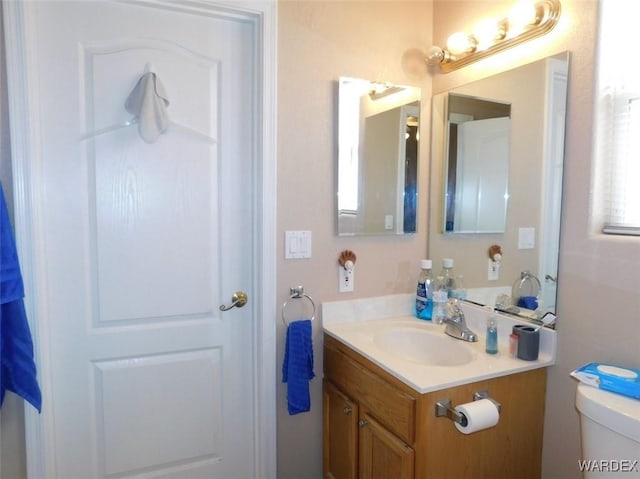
<point>380,189</point>
<point>319,41</point>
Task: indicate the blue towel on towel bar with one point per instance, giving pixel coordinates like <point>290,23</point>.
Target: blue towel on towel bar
<point>297,368</point>
<point>17,366</point>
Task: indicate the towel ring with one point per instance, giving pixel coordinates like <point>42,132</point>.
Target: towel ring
<point>297,293</point>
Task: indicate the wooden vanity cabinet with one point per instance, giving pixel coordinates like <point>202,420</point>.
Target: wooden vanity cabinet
<point>375,426</point>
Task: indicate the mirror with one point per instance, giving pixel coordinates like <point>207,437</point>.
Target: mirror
<point>378,140</point>
<point>530,180</point>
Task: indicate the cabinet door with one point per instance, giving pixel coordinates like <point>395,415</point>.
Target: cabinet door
<point>340,437</point>
<point>382,455</point>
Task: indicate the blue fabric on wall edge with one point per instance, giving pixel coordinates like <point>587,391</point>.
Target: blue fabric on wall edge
<point>17,366</point>
<point>297,368</point>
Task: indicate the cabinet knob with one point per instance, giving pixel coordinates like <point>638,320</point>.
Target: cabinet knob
<point>362,423</point>
<point>347,410</point>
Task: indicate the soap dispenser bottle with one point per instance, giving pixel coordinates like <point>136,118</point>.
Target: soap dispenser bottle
<point>492,335</point>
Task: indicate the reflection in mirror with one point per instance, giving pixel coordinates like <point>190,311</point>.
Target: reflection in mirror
<point>477,165</point>
<point>377,157</point>
<point>536,96</point>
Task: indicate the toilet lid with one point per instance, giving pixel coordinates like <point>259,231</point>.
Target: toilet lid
<point>614,411</point>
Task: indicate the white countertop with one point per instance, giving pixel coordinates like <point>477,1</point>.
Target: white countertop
<point>358,323</point>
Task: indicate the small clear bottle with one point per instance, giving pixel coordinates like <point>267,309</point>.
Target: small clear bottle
<point>439,300</point>
<point>492,336</point>
<point>459,291</point>
<point>424,291</point>
<point>448,275</point>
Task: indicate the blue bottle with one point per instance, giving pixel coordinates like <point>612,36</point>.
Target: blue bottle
<point>424,291</point>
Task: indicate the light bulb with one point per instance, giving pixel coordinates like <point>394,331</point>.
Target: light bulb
<point>522,15</point>
<point>487,32</point>
<point>436,55</point>
<point>459,43</point>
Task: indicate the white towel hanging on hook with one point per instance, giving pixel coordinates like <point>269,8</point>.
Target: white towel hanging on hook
<point>148,104</point>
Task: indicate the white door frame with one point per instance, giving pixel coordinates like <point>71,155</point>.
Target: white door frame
<point>25,147</point>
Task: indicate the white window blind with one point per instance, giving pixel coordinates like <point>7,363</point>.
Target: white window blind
<point>619,117</point>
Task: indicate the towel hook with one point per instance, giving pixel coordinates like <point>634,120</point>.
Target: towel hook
<point>297,293</point>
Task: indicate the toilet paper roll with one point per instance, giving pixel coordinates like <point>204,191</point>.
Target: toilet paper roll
<point>481,414</point>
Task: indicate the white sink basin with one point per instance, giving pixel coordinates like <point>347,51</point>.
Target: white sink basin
<point>424,347</point>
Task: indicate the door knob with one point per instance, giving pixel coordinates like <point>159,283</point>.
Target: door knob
<point>238,299</point>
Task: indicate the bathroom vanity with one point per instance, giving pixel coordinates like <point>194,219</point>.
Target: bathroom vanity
<point>380,399</point>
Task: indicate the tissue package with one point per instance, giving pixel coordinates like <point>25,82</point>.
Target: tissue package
<point>625,381</point>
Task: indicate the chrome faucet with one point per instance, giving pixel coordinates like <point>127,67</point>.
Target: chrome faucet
<point>456,324</point>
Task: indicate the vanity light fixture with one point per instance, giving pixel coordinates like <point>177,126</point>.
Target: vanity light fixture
<point>380,90</point>
<point>525,21</point>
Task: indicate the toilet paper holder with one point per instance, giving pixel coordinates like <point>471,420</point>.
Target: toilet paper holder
<point>444,409</point>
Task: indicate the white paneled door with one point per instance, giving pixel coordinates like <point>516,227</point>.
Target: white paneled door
<point>137,243</point>
<point>482,184</point>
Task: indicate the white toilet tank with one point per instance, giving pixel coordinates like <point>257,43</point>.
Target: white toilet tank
<point>610,432</point>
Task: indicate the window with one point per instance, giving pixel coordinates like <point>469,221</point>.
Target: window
<point>619,118</point>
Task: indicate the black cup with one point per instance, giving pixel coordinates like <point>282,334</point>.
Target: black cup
<point>528,341</point>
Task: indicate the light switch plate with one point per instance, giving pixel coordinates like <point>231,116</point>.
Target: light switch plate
<point>526,238</point>
<point>297,244</point>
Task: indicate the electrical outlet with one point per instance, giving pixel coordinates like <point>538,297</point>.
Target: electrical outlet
<point>493,273</point>
<point>345,280</point>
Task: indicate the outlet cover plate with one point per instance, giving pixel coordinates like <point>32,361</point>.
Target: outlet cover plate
<point>493,273</point>
<point>345,280</point>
